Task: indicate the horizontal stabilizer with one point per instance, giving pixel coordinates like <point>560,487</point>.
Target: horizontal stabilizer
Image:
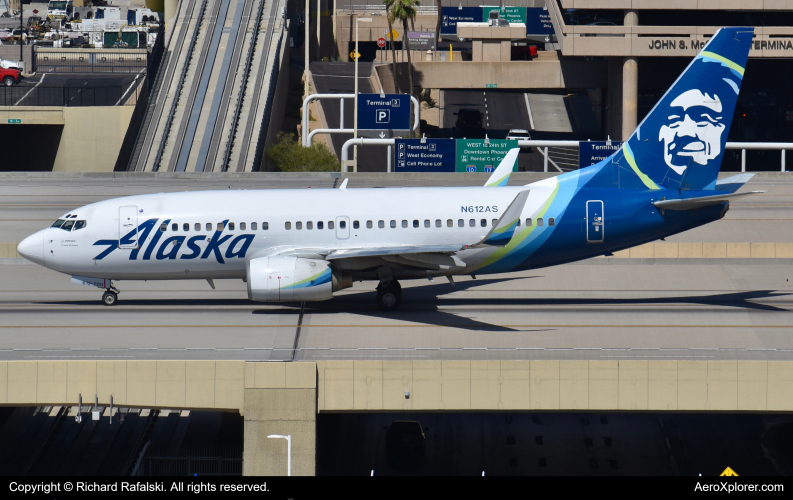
<point>501,174</point>
<point>703,201</point>
<point>733,183</point>
<point>502,232</point>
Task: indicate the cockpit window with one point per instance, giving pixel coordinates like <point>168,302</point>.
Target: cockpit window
<point>59,222</point>
<point>67,225</point>
<point>80,224</point>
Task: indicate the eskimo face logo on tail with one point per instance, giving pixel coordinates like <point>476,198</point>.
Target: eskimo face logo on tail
<point>694,129</point>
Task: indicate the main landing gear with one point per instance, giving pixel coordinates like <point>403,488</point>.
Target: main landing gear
<point>389,295</point>
<point>110,297</point>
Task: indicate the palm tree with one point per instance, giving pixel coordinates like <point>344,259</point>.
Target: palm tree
<point>406,10</point>
<point>390,16</point>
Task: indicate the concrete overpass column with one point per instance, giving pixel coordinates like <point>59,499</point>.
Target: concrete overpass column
<point>170,7</point>
<point>280,398</point>
<point>630,83</point>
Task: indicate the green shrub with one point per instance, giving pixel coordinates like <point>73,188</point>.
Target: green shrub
<point>288,155</point>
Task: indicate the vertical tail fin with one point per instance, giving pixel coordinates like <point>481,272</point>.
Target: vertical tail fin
<point>680,144</point>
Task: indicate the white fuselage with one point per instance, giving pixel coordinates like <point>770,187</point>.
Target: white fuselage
<point>319,220</point>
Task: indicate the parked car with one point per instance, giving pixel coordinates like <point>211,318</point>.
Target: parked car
<point>405,440</point>
<point>469,122</point>
<point>10,77</point>
<point>523,52</point>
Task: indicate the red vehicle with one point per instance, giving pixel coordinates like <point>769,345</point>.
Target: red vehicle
<point>10,76</point>
<point>524,52</point>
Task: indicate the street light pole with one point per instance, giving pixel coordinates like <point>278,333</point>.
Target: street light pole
<point>355,104</point>
<point>288,438</point>
<point>306,28</point>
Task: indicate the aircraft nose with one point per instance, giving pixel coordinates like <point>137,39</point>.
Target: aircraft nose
<point>32,248</point>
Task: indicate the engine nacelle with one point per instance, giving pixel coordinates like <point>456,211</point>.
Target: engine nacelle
<point>289,279</point>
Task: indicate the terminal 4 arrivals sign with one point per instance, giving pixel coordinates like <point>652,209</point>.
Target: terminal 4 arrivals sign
<point>474,155</point>
<point>382,117</point>
<point>591,152</point>
<point>424,155</point>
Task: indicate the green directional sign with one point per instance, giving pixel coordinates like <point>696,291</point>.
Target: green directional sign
<point>14,120</point>
<point>473,155</point>
<point>511,14</point>
<point>491,85</point>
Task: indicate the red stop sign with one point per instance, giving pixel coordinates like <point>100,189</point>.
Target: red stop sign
<point>35,11</point>
<point>381,42</point>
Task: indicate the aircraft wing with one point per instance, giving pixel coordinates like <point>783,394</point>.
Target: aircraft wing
<point>348,253</point>
<point>703,201</point>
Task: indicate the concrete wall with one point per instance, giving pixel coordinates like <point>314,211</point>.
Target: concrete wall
<point>680,4</point>
<point>507,75</point>
<point>92,138</point>
<point>652,385</point>
<point>280,398</point>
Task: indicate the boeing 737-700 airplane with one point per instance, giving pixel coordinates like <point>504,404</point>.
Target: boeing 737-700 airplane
<point>303,245</point>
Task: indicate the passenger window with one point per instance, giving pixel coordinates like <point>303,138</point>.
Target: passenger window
<point>298,225</point>
<point>254,226</point>
<point>495,221</point>
<point>381,224</point>
<point>551,221</point>
<point>320,224</point>
<point>163,227</point>
<point>426,223</point>
<point>309,225</point>
<point>404,223</point>
<point>67,226</point>
<point>472,222</point>
<point>483,222</point>
<point>368,224</point>
<point>438,223</point>
<point>185,227</point>
<point>460,223</point>
<point>58,223</point>
<point>80,224</point>
<point>356,224</point>
<point>209,226</point>
<point>266,226</point>
<point>528,222</point>
<point>518,222</point>
<point>449,223</point>
<point>415,223</point>
<point>393,224</point>
<point>231,226</point>
<point>342,224</point>
<point>174,227</point>
<point>331,225</point>
<point>288,226</point>
<point>220,226</point>
<point>242,226</point>
<point>197,226</point>
<point>539,221</point>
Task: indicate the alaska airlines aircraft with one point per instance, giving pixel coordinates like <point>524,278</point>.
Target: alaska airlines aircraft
<point>303,245</point>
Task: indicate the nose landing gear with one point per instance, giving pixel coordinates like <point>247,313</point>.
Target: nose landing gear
<point>389,295</point>
<point>110,297</point>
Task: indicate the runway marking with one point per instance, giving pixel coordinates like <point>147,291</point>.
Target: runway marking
<point>32,88</point>
<point>484,327</point>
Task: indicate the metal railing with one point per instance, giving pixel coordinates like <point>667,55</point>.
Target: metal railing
<point>73,61</point>
<point>194,461</point>
<point>377,8</point>
<point>565,157</point>
<point>79,96</point>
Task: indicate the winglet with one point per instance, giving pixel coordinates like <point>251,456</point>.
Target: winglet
<point>502,232</point>
<point>501,174</point>
<point>343,186</point>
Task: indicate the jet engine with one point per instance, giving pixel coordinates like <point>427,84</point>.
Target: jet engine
<point>289,279</point>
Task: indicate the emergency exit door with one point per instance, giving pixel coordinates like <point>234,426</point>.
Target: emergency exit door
<point>594,221</point>
<point>128,226</point>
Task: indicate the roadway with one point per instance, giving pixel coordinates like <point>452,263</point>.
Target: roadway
<point>708,310</point>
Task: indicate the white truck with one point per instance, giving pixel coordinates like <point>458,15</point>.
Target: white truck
<point>7,64</point>
<point>64,8</point>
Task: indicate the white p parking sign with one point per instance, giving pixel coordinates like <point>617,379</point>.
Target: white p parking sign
<point>383,116</point>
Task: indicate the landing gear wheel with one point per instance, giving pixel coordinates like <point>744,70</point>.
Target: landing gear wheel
<point>109,298</point>
<point>389,295</point>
